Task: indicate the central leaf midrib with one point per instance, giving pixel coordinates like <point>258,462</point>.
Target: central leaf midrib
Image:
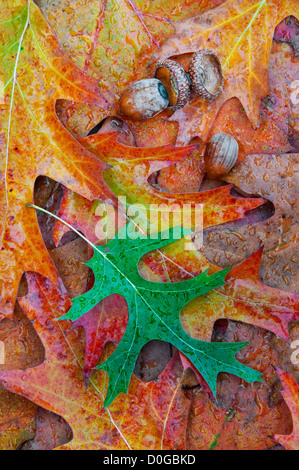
<point>134,288</point>
<point>153,311</point>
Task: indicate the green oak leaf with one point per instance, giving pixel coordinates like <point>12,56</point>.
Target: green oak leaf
<point>154,311</point>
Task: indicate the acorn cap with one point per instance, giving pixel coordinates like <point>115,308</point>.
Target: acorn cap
<point>206,74</point>
<point>176,82</point>
<point>221,155</point>
<point>143,99</point>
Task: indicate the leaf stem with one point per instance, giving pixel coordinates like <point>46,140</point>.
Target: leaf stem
<point>230,414</point>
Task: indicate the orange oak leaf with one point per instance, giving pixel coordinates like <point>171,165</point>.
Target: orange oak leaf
<point>106,321</point>
<point>80,213</point>
<point>274,177</point>
<point>129,177</point>
<point>185,177</point>
<point>83,215</point>
<point>110,40</point>
<point>267,139</point>
<point>270,137</point>
<point>35,73</point>
<point>240,32</point>
<point>278,121</point>
<point>39,144</point>
<point>145,418</point>
<point>113,41</point>
<point>22,349</point>
<point>242,417</point>
<point>290,394</point>
<point>244,297</point>
<point>277,115</point>
<point>178,10</point>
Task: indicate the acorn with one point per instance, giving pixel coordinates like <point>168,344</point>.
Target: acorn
<point>221,155</point>
<point>205,74</point>
<point>176,82</point>
<point>143,99</point>
<point>125,135</point>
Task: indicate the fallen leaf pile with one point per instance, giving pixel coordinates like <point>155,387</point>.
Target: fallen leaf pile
<point>122,343</point>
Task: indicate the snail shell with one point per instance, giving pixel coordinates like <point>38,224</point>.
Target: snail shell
<point>221,155</point>
<point>143,99</point>
<point>206,74</point>
<point>176,82</point>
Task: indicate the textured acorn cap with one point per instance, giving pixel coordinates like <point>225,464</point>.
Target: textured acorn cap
<point>206,74</point>
<point>176,82</point>
<point>143,99</point>
<point>221,155</point>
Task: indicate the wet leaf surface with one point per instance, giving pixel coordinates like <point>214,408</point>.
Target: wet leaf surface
<point>290,393</point>
<point>155,425</point>
<point>240,33</point>
<point>53,395</point>
<point>35,73</point>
